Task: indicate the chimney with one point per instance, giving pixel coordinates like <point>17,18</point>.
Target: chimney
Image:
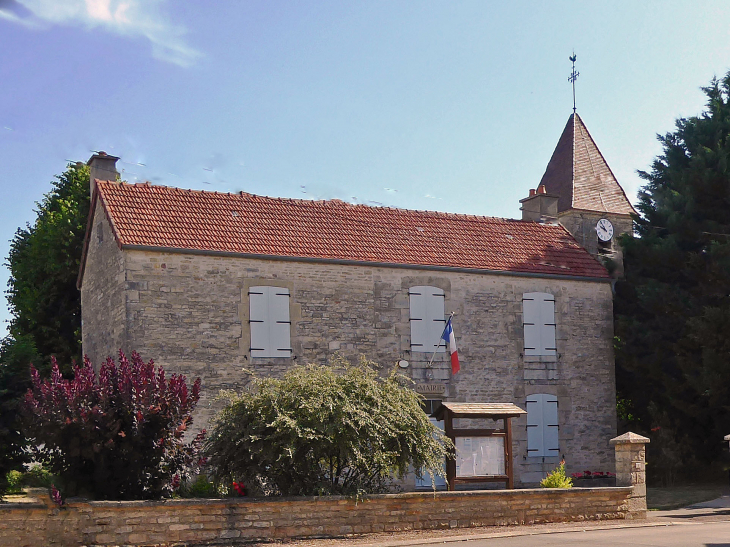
<point>102,166</point>
<point>540,206</point>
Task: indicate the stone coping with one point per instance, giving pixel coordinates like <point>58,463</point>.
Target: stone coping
<point>517,492</point>
<point>629,438</point>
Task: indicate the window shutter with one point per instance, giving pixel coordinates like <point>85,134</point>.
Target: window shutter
<point>547,325</point>
<point>280,328</point>
<point>550,417</point>
<point>531,322</point>
<point>258,298</point>
<point>535,428</point>
<point>542,425</point>
<point>270,324</point>
<point>538,318</point>
<point>427,318</point>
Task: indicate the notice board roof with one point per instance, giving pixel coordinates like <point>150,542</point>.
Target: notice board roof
<point>479,410</point>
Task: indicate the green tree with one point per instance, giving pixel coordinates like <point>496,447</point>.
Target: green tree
<point>325,430</point>
<point>15,357</point>
<point>44,303</point>
<point>673,307</point>
<point>44,263</point>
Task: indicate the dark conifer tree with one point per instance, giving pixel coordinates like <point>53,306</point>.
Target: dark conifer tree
<point>673,306</point>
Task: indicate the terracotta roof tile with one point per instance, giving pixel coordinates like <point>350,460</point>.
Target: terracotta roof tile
<point>578,173</point>
<point>159,216</point>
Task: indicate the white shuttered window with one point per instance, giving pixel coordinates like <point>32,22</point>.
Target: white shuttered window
<point>542,425</point>
<point>427,318</point>
<point>269,320</point>
<point>538,318</point>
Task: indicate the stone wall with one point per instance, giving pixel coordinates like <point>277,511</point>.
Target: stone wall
<point>103,306</point>
<point>190,313</point>
<point>235,521</point>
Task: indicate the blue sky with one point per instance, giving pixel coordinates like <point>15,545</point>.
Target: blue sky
<point>453,106</point>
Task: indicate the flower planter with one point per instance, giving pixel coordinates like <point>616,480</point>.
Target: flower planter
<point>594,482</point>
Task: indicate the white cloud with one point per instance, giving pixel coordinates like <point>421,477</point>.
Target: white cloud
<point>133,18</point>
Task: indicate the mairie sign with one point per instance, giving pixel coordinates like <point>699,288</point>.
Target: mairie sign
<point>430,389</point>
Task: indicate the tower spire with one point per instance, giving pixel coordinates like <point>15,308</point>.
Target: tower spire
<point>573,76</point>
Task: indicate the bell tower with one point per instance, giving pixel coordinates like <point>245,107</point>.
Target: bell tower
<point>592,206</point>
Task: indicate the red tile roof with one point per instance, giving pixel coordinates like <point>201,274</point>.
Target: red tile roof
<point>578,173</point>
<point>163,217</point>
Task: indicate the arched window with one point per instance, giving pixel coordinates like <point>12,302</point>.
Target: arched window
<point>542,425</point>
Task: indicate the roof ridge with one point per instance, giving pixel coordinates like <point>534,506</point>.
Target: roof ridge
<point>444,214</point>
<point>573,117</point>
<point>605,163</point>
<point>163,217</point>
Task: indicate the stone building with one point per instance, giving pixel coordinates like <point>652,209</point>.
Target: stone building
<point>211,283</point>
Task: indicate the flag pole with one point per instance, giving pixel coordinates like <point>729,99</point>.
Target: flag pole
<point>440,338</point>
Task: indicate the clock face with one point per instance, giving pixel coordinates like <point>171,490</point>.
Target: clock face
<point>604,229</point>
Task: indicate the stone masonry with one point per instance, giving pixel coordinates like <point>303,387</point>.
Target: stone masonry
<point>241,521</point>
<point>189,312</point>
<point>631,470</point>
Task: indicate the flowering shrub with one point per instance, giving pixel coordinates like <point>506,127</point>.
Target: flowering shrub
<point>322,430</point>
<point>56,496</point>
<point>240,488</point>
<point>592,475</point>
<point>115,435</point>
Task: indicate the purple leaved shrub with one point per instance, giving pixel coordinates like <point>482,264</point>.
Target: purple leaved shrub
<point>118,434</point>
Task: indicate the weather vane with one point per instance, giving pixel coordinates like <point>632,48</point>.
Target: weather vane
<point>573,77</point>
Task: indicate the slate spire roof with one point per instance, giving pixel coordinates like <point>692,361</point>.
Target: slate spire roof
<point>146,216</point>
<point>578,173</point>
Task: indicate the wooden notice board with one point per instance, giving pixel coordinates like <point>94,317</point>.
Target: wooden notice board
<point>481,455</point>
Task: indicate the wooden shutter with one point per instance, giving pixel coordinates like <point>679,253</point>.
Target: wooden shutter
<point>258,298</point>
<point>542,425</point>
<point>547,325</point>
<point>280,327</point>
<point>269,320</point>
<point>538,319</point>
<point>550,418</point>
<point>427,318</point>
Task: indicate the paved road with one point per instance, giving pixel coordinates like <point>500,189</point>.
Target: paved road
<point>702,525</point>
<point>691,534</point>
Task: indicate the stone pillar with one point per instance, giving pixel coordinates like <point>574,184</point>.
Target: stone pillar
<point>631,470</point>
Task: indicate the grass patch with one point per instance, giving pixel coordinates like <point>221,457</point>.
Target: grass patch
<point>676,497</point>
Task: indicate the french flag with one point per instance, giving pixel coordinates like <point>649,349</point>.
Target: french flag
<point>450,339</point>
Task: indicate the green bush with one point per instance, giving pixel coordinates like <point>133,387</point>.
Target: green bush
<point>14,479</point>
<point>36,476</point>
<point>557,479</point>
<point>325,430</point>
<point>199,487</point>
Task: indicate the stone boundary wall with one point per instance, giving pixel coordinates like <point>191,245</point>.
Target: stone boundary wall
<point>233,521</point>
